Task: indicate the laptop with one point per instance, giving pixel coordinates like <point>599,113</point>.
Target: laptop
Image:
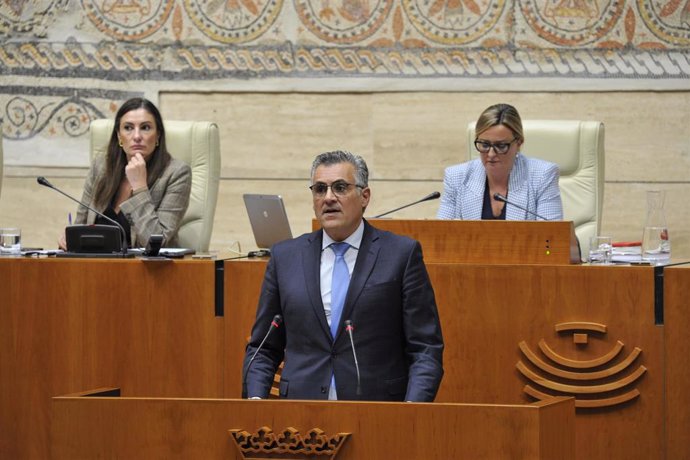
<point>268,219</point>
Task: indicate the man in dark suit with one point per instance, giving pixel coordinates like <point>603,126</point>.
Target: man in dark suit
<point>388,300</point>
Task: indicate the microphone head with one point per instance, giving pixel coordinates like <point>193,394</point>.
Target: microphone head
<point>499,197</point>
<point>43,181</point>
<point>277,320</point>
<point>432,196</point>
<point>348,323</point>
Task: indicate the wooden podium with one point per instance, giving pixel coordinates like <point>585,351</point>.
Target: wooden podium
<point>593,332</point>
<point>488,241</point>
<point>174,428</point>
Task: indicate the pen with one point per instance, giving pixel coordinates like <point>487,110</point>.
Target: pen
<point>69,218</point>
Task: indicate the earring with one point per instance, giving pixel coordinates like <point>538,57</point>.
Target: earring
<point>119,142</point>
<point>158,142</point>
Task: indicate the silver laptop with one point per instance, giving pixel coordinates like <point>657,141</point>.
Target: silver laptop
<point>268,218</point>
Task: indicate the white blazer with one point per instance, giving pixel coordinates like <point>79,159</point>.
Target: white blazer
<point>533,184</point>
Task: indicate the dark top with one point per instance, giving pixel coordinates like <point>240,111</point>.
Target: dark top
<point>487,212</point>
<point>120,218</point>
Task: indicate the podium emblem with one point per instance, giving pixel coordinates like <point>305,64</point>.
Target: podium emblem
<point>603,381</point>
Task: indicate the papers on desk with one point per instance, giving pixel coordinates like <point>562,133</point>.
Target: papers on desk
<point>175,252</point>
<point>626,254</point>
<point>164,252</point>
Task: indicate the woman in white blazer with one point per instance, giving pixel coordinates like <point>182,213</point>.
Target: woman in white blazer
<point>527,183</point>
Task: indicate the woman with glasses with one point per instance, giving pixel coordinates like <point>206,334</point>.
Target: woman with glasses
<point>502,183</point>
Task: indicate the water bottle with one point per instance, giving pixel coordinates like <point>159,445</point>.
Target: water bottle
<point>656,244</point>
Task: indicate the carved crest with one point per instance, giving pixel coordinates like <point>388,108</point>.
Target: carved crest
<point>288,444</point>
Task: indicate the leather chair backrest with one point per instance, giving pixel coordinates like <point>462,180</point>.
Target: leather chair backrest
<point>196,143</point>
<point>1,157</point>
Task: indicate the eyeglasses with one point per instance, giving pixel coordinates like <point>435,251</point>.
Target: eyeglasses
<point>339,188</point>
<point>501,148</point>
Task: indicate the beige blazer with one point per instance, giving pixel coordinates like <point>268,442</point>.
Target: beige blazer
<point>158,210</point>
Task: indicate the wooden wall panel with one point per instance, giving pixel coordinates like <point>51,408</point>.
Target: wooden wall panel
<point>66,325</point>
<point>486,311</point>
<point>677,364</point>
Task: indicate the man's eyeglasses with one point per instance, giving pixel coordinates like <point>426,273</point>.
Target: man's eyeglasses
<point>339,188</point>
<point>501,148</point>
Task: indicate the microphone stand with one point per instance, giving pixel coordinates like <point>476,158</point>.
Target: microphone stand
<point>431,196</point>
<point>499,197</point>
<point>275,324</point>
<point>349,328</point>
<point>123,238</point>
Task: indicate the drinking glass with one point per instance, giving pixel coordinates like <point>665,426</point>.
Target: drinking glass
<point>600,250</point>
<point>10,241</point>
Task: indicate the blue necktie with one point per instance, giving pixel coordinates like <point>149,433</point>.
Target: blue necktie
<point>339,284</point>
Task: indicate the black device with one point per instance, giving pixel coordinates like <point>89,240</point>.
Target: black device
<point>153,246</point>
<point>431,196</point>
<point>73,251</point>
<point>93,239</point>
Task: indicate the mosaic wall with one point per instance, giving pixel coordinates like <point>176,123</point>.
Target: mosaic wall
<point>64,62</point>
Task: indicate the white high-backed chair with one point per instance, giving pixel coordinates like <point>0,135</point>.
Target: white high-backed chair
<point>1,159</point>
<point>577,147</point>
<point>196,143</point>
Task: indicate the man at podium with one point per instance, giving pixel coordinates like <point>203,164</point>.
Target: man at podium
<point>348,308</point>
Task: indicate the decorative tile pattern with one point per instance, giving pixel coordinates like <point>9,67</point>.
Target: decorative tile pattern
<point>59,112</point>
<point>114,45</point>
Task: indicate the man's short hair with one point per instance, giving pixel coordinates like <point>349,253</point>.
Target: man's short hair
<point>340,156</point>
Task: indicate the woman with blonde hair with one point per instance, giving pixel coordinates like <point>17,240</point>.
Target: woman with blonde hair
<point>470,188</point>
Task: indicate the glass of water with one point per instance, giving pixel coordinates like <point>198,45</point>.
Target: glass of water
<point>600,250</point>
<point>10,241</point>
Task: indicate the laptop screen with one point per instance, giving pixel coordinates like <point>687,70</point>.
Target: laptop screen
<point>268,219</point>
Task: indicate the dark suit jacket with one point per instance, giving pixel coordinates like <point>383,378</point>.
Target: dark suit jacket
<point>391,304</point>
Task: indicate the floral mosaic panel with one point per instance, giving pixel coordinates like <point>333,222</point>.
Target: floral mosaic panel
<point>106,45</point>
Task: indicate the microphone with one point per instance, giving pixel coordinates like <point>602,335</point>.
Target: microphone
<point>349,328</point>
<point>499,197</point>
<point>123,236</point>
<point>431,196</point>
<point>275,324</point>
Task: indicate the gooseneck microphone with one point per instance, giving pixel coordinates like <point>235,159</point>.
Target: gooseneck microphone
<point>350,328</point>
<point>275,324</point>
<point>431,196</point>
<point>499,197</point>
<point>123,236</point>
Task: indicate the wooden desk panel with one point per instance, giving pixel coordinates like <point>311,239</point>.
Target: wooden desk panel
<point>487,310</point>
<point>145,428</point>
<point>488,241</point>
<point>66,325</point>
<point>243,280</point>
<point>677,370</point>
